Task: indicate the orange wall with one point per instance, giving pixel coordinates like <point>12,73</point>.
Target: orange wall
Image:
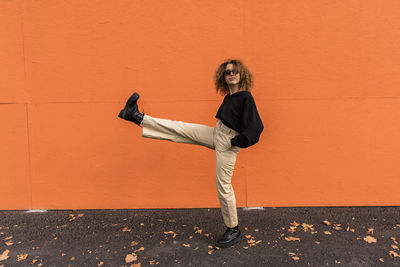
<point>327,85</point>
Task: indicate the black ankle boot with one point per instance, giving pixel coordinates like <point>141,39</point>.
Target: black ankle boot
<point>131,111</point>
<point>230,237</point>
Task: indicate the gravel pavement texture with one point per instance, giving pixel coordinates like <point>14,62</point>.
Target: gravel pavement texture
<point>300,236</point>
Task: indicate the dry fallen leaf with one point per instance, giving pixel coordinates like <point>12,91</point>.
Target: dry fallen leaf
<point>9,243</point>
<point>327,222</point>
<point>4,255</point>
<point>134,243</point>
<point>22,257</point>
<point>327,233</point>
<point>291,238</point>
<point>370,239</point>
<point>393,254</point>
<point>139,249</point>
<point>7,238</point>
<point>381,259</point>
<point>130,257</point>
<point>337,226</point>
<point>170,232</point>
<point>295,258</point>
<point>136,264</point>
<point>72,217</point>
<point>126,229</point>
<point>33,261</point>
<point>395,247</point>
<point>186,245</point>
<point>370,231</point>
<point>100,264</point>
<point>72,258</point>
<point>199,231</point>
<point>307,227</point>
<point>292,229</point>
<point>295,224</point>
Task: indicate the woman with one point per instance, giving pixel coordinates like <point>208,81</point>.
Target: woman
<point>238,126</point>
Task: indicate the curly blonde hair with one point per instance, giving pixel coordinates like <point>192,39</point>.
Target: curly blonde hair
<point>246,78</point>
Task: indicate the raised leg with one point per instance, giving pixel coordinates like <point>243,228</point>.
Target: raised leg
<point>178,131</point>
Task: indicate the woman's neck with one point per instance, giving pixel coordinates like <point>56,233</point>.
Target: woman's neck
<point>234,88</point>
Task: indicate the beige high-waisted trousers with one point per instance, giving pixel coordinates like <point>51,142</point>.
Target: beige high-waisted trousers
<point>219,139</point>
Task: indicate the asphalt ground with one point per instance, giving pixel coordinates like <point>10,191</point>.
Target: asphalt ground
<point>309,236</point>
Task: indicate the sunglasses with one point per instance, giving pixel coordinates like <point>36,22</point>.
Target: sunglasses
<point>228,72</point>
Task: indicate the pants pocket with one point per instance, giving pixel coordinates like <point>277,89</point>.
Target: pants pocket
<point>223,142</point>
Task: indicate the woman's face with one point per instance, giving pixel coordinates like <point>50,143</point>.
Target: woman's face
<point>232,77</point>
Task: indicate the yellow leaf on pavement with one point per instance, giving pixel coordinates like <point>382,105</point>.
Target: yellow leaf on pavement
<point>4,255</point>
<point>22,257</point>
<point>139,249</point>
<point>370,239</point>
<point>291,238</point>
<point>170,232</point>
<point>307,227</point>
<point>130,257</point>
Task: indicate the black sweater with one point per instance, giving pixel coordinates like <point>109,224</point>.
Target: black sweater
<point>239,112</point>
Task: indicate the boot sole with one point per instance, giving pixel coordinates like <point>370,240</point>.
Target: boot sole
<point>233,242</point>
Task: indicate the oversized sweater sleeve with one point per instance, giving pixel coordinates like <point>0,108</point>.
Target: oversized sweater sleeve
<point>251,125</point>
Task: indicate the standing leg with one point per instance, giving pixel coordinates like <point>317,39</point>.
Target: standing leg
<point>225,156</point>
<point>225,163</point>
